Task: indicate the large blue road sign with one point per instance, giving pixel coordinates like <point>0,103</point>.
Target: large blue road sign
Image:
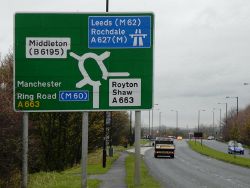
<point>119,31</point>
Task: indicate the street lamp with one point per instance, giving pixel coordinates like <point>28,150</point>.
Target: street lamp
<point>176,111</point>
<point>153,119</point>
<point>213,124</point>
<point>226,111</point>
<point>237,103</point>
<point>199,118</point>
<point>159,122</point>
<point>220,116</point>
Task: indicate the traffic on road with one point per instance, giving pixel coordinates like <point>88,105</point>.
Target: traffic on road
<point>191,169</point>
<point>223,147</point>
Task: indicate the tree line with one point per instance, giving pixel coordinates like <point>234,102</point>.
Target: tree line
<point>54,138</point>
<point>237,126</point>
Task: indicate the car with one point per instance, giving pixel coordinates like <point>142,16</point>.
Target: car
<point>210,138</point>
<point>164,147</point>
<point>234,147</point>
<point>173,137</point>
<point>179,137</point>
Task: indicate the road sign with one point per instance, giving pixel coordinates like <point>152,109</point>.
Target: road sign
<point>198,134</point>
<point>119,31</point>
<point>83,62</point>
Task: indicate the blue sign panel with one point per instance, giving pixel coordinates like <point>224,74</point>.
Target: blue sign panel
<point>119,32</point>
<point>73,96</point>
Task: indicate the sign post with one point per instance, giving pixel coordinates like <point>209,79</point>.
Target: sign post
<point>137,147</point>
<point>25,151</point>
<point>85,125</point>
<point>83,62</point>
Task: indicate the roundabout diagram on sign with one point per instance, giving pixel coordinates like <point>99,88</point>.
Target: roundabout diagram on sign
<point>86,78</point>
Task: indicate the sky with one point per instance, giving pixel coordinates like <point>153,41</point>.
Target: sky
<point>201,55</point>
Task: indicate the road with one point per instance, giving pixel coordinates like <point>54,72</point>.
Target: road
<point>193,170</point>
<point>222,147</point>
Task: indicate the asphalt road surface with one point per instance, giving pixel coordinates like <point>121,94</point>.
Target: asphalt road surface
<point>223,147</point>
<point>192,170</point>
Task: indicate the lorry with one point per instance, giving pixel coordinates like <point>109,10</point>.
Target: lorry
<point>164,147</point>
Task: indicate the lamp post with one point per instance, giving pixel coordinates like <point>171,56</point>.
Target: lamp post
<point>149,124</point>
<point>153,119</point>
<point>237,111</point>
<point>220,121</point>
<point>199,111</point>
<point>237,103</point>
<point>159,122</point>
<point>226,114</point>
<point>220,117</point>
<point>166,118</point>
<point>176,128</point>
<point>213,123</point>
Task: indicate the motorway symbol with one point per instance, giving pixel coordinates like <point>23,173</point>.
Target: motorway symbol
<point>138,36</point>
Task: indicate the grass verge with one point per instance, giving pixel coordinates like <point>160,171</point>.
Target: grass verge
<point>146,179</point>
<point>58,180</point>
<point>144,141</point>
<point>202,149</point>
<point>72,177</point>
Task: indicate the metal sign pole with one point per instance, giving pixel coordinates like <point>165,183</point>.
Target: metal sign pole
<point>85,125</point>
<point>137,147</point>
<point>107,5</point>
<point>104,151</point>
<point>25,151</point>
<point>110,136</point>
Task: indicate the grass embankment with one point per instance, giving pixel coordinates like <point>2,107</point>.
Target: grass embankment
<point>72,177</point>
<point>202,149</point>
<point>144,141</point>
<point>146,179</point>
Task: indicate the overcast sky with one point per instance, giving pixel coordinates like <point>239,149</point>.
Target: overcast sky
<point>202,50</point>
